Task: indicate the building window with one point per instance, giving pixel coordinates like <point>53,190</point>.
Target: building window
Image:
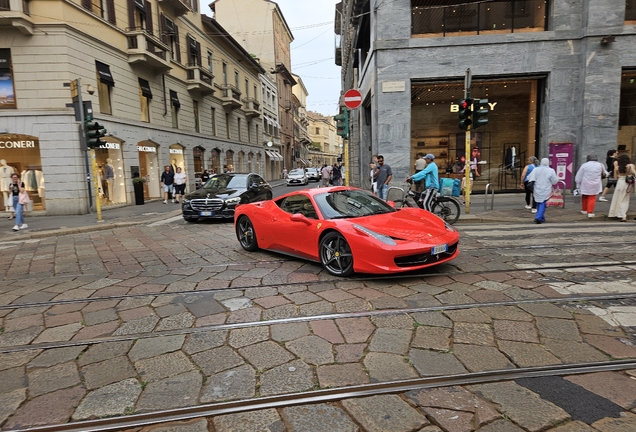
<point>238,125</point>
<point>170,36</point>
<point>210,68</point>
<point>145,96</point>
<point>213,121</point>
<point>255,93</point>
<point>258,138</point>
<point>442,18</point>
<point>224,73</point>
<point>194,51</point>
<point>105,82</point>
<point>317,131</point>
<point>195,109</point>
<point>247,88</point>
<point>7,89</point>
<point>236,79</point>
<point>227,125</point>
<point>175,105</point>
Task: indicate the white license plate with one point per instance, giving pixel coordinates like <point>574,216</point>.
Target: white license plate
<point>439,249</point>
<point>206,213</point>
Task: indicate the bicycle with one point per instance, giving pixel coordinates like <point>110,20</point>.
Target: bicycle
<point>445,207</point>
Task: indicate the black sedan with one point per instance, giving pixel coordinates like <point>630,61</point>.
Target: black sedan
<point>220,195</point>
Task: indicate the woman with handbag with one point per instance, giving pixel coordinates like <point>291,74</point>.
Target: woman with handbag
<point>533,162</point>
<point>589,180</point>
<point>624,176</point>
<point>20,198</point>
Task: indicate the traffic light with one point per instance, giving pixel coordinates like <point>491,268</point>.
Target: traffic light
<point>94,131</point>
<point>465,112</point>
<point>342,124</point>
<point>480,115</point>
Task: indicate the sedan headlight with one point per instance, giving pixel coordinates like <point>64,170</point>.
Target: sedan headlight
<point>186,201</point>
<point>384,239</point>
<point>231,201</point>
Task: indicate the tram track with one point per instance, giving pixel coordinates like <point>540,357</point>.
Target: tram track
<point>332,316</point>
<point>329,395</point>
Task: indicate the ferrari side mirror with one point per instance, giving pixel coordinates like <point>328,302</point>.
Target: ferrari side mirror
<point>299,217</point>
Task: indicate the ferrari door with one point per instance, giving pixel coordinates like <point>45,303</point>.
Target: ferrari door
<point>297,235</point>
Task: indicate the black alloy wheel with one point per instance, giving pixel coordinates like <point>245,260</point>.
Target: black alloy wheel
<point>246,235</point>
<point>335,255</point>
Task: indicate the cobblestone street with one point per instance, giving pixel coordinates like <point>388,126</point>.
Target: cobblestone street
<point>145,319</point>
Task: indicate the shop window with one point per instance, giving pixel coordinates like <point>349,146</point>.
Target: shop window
<point>627,115</point>
<point>110,171</point>
<point>213,123</point>
<point>177,158</point>
<point>630,11</point>
<point>498,150</point>
<point>229,161</point>
<point>440,18</point>
<point>7,92</point>
<point>175,104</point>
<point>20,154</point>
<point>198,156</point>
<point>105,83</point>
<point>195,109</point>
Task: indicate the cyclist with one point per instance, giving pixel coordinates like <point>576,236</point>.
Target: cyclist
<point>431,181</point>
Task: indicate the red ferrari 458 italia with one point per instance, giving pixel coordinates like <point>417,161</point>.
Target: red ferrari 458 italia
<point>347,230</point>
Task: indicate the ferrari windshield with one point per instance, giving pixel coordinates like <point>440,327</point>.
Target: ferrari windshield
<point>226,181</point>
<point>350,204</point>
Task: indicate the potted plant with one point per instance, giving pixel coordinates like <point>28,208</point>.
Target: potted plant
<point>138,185</point>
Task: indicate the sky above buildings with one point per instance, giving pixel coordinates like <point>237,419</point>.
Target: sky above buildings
<point>312,51</point>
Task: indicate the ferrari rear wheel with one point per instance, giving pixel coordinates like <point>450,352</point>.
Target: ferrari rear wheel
<point>335,255</point>
<point>246,234</point>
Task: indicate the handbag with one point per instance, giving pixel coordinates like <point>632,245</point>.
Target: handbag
<point>556,198</point>
<point>529,186</point>
<point>23,198</point>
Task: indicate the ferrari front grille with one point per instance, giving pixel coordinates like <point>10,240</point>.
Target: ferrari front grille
<point>214,204</point>
<point>423,258</point>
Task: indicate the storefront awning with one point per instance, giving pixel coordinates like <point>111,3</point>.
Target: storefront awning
<point>278,156</point>
<point>303,161</point>
<point>174,99</point>
<point>145,88</point>
<point>104,74</point>
<point>270,154</point>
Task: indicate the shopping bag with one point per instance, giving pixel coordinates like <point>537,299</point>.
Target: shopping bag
<point>457,183</point>
<point>556,198</point>
<point>23,198</point>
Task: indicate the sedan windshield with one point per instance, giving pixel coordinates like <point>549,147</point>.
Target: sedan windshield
<point>350,204</point>
<point>297,172</point>
<point>226,181</point>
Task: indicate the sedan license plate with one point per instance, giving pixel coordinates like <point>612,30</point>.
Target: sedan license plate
<point>206,213</point>
<point>436,250</point>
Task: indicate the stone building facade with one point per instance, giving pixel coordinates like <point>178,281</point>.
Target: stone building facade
<point>170,85</point>
<point>554,71</point>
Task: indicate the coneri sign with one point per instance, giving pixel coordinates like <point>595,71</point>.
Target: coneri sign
<point>455,107</point>
<point>147,149</point>
<point>176,151</point>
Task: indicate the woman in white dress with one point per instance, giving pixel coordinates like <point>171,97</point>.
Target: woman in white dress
<point>620,199</point>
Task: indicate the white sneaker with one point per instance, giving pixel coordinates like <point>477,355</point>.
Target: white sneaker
<point>172,200</point>
<point>603,199</point>
<point>24,226</point>
<point>534,210</point>
<point>16,228</point>
<point>165,201</point>
<point>590,215</point>
<point>583,212</point>
<point>528,207</point>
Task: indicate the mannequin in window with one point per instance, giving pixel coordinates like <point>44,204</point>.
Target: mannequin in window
<point>173,166</point>
<point>5,182</point>
<point>109,173</point>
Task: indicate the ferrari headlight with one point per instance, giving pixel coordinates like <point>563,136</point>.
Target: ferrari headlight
<point>449,227</point>
<point>384,239</point>
<point>233,200</point>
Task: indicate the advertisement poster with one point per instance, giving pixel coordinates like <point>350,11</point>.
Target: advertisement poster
<point>562,160</point>
<point>7,94</point>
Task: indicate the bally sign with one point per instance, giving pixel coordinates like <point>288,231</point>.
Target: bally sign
<point>455,107</point>
<point>146,149</point>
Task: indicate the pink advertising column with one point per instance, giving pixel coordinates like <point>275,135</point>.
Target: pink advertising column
<point>562,161</point>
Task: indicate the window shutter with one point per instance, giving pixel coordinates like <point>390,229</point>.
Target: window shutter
<point>163,30</point>
<point>199,53</point>
<point>176,43</point>
<point>110,7</point>
<point>148,9</point>
<point>131,14</point>
<point>87,4</point>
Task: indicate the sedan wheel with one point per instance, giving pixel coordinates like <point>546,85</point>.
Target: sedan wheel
<point>246,235</point>
<point>335,255</point>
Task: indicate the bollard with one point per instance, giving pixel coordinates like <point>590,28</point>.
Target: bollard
<point>563,189</point>
<point>492,198</point>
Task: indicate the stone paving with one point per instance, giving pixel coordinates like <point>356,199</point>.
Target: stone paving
<point>194,329</point>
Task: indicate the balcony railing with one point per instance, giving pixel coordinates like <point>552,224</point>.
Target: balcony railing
<point>15,13</point>
<point>251,107</point>
<point>199,79</point>
<point>145,48</point>
<point>230,96</point>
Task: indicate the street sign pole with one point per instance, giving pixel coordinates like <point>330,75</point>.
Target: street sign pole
<point>76,94</point>
<point>468,185</point>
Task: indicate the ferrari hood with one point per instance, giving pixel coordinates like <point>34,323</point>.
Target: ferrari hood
<point>406,224</point>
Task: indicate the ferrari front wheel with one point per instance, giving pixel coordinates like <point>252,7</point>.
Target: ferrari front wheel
<point>246,234</point>
<point>335,255</point>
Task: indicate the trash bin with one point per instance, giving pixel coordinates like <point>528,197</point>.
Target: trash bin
<point>139,193</point>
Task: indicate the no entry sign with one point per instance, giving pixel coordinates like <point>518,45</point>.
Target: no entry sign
<point>352,99</point>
